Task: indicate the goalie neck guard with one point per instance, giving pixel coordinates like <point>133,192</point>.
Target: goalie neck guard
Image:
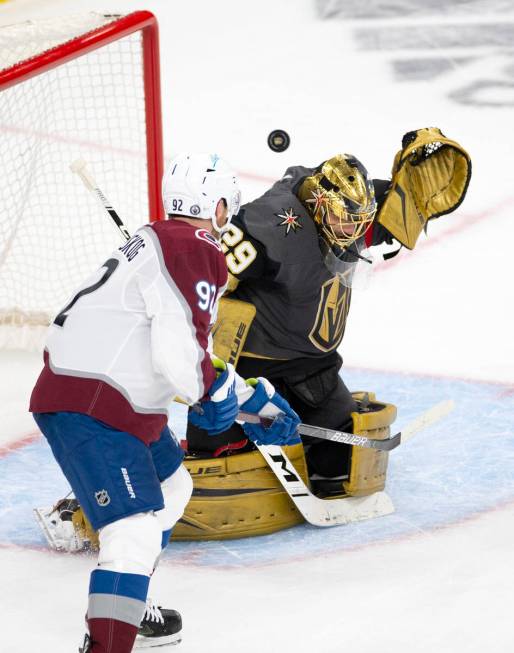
<point>193,184</point>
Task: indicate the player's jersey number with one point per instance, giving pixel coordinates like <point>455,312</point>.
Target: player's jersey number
<point>110,265</point>
<point>206,296</point>
<point>242,253</point>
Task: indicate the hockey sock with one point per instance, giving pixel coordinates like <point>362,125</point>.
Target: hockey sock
<point>116,606</point>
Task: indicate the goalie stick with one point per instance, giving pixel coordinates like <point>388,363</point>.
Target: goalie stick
<point>334,512</point>
<point>422,421</point>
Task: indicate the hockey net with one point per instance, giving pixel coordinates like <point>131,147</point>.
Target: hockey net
<point>79,87</point>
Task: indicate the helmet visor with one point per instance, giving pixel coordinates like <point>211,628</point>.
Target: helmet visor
<point>351,264</point>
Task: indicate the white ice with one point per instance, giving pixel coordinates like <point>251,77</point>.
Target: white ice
<point>231,72</point>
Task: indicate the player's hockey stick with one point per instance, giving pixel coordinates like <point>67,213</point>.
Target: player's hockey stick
<point>79,167</point>
<point>432,415</point>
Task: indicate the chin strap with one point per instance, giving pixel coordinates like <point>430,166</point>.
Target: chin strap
<point>359,256</point>
<point>389,255</point>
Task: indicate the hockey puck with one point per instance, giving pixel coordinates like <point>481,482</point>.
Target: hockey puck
<point>278,140</point>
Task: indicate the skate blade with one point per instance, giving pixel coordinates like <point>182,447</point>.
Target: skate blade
<point>154,642</point>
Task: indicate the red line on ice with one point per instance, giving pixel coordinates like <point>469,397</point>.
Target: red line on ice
<point>8,448</point>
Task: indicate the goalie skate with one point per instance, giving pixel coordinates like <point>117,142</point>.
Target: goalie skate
<point>57,527</point>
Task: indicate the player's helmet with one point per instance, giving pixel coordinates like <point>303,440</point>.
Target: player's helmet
<point>341,199</point>
<point>193,184</point>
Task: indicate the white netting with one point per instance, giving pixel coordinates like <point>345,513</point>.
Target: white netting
<point>53,232</point>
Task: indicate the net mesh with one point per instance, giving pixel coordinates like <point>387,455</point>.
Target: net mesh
<point>53,232</point>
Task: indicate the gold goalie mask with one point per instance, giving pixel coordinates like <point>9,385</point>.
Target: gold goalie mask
<point>341,199</point>
<point>430,178</point>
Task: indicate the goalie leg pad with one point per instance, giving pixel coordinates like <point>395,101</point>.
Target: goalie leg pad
<point>238,496</point>
<point>231,328</point>
<point>131,545</point>
<point>368,467</point>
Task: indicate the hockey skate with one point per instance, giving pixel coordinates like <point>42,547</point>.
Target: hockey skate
<point>86,645</point>
<point>159,627</point>
<point>57,526</point>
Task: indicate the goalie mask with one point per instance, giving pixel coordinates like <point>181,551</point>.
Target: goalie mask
<point>341,199</point>
<point>193,184</point>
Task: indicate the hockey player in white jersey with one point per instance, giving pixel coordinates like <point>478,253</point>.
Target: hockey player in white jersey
<point>134,337</point>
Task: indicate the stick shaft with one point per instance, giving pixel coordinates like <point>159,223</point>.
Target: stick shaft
<point>79,167</point>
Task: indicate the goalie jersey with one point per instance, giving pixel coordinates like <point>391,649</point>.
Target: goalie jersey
<point>272,249</point>
<point>136,334</point>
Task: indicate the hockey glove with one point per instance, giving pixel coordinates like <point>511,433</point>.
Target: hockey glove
<point>265,402</point>
<point>220,410</point>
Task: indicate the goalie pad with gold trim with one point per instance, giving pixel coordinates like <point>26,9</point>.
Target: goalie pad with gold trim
<point>430,178</point>
<point>368,467</point>
<point>231,328</point>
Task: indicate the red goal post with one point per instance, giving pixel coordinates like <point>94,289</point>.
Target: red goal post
<point>84,86</point>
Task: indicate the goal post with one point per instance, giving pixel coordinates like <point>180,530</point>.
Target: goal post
<point>82,86</point>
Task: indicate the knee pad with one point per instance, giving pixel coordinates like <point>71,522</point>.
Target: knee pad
<point>176,490</point>
<point>131,545</point>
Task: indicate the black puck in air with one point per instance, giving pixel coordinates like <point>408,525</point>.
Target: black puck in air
<point>278,140</point>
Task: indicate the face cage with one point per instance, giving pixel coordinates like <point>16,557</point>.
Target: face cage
<point>361,222</point>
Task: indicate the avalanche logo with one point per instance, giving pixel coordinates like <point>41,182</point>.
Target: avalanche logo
<point>201,234</point>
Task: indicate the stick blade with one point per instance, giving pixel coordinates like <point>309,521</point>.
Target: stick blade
<point>353,509</point>
<point>426,419</point>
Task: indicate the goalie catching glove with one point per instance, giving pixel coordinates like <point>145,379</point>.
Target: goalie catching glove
<point>265,402</point>
<point>430,178</point>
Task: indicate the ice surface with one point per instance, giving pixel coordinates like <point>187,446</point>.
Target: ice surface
<point>438,575</point>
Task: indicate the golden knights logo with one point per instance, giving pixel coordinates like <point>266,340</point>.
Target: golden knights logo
<point>289,220</point>
<point>330,320</point>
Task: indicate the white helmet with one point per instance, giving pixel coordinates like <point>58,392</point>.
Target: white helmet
<point>193,184</point>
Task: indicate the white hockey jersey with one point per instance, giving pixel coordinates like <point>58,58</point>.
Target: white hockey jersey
<point>136,334</point>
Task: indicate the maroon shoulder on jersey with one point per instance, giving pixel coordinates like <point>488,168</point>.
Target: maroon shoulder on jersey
<point>196,263</point>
